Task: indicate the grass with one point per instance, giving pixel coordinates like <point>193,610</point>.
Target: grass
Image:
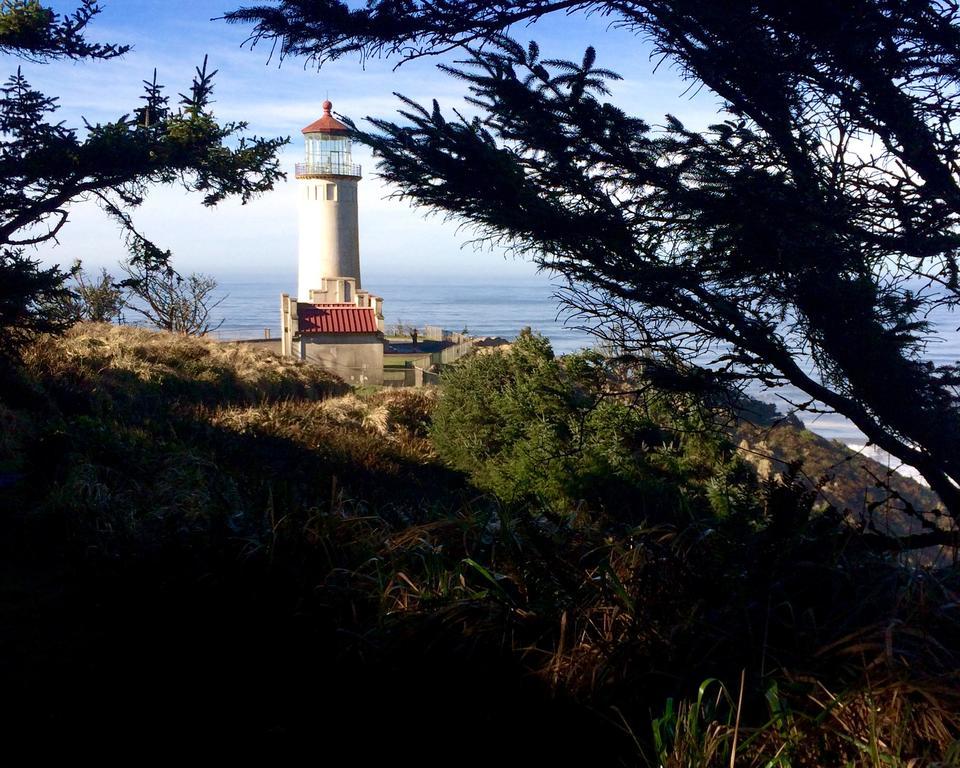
<point>123,361</point>
<point>206,542</point>
<point>873,497</point>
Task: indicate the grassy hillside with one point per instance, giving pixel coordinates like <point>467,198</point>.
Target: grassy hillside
<point>842,476</point>
<point>873,497</point>
<point>206,542</point>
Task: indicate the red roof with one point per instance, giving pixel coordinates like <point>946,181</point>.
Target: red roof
<point>336,318</point>
<point>326,124</point>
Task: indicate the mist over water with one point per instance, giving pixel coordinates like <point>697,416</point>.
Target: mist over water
<point>503,309</point>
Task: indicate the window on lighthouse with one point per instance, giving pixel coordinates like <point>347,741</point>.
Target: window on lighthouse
<point>330,152</point>
<point>313,151</point>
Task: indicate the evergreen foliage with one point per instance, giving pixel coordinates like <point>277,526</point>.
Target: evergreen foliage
<point>571,436</point>
<point>33,300</point>
<point>46,166</point>
<point>31,30</point>
<point>95,299</point>
<point>804,238</point>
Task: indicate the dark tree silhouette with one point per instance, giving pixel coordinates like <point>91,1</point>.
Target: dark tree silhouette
<point>33,299</point>
<point>30,30</point>
<point>46,166</point>
<point>805,238</point>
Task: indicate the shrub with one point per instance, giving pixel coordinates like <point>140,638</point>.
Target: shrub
<point>95,299</point>
<point>527,425</point>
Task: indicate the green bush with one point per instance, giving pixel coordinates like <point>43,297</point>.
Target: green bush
<point>528,426</point>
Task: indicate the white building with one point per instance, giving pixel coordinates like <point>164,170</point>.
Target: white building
<point>332,321</point>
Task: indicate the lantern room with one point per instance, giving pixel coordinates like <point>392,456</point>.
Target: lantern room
<point>328,148</point>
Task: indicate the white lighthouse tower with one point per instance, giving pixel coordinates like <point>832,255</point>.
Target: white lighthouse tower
<point>329,242</point>
<point>332,321</point>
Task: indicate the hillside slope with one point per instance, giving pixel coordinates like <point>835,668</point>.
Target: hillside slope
<point>199,543</point>
<point>872,496</point>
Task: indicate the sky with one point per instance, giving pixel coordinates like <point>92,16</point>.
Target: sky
<point>259,238</point>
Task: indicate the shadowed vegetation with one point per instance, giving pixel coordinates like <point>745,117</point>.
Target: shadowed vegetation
<point>206,540</point>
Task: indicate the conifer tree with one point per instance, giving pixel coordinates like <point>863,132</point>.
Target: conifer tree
<point>46,166</point>
<point>32,31</point>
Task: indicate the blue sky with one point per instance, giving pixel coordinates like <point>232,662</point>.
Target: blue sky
<point>260,238</point>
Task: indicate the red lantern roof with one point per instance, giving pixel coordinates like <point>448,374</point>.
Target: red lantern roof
<point>326,124</point>
<point>336,318</point>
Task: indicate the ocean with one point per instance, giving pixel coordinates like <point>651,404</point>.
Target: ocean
<point>502,309</point>
<point>484,309</point>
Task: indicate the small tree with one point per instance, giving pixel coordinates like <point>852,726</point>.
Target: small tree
<point>567,433</point>
<point>165,298</point>
<point>96,299</point>
<point>32,300</point>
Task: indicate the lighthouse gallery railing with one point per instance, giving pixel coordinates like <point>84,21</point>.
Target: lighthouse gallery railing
<point>327,169</point>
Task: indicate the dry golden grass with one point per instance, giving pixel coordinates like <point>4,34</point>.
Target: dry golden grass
<point>391,412</point>
<point>123,356</point>
<point>883,725</point>
<point>357,434</point>
<point>351,410</point>
<point>409,409</point>
<point>151,425</point>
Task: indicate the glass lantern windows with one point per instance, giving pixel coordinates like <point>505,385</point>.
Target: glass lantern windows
<point>328,152</point>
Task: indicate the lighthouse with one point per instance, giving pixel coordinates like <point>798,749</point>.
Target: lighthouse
<point>332,321</point>
<point>329,236</point>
